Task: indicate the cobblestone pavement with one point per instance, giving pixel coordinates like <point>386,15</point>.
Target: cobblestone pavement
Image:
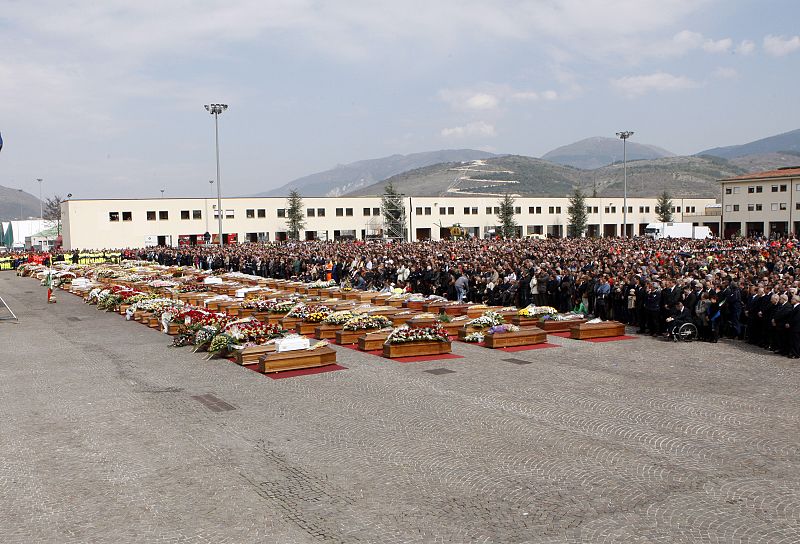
<point>102,439</point>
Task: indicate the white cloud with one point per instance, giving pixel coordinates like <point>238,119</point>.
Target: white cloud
<point>746,47</point>
<point>779,46</point>
<point>525,96</point>
<point>719,46</point>
<point>725,73</point>
<point>660,81</point>
<point>478,128</point>
<point>481,101</point>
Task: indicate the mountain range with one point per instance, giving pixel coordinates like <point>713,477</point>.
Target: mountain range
<point>346,178</point>
<point>593,164</point>
<point>16,204</point>
<point>599,151</point>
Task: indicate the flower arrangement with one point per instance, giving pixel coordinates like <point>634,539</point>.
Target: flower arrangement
<point>317,316</point>
<point>298,310</point>
<point>537,311</point>
<point>362,322</point>
<point>338,318</point>
<point>281,307</point>
<point>488,319</point>
<point>252,332</point>
<point>474,337</point>
<point>569,316</point>
<point>405,334</point>
<point>507,327</point>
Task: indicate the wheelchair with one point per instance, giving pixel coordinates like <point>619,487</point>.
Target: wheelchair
<point>685,332</point>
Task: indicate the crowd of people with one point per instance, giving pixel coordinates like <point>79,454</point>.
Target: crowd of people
<point>743,288</point>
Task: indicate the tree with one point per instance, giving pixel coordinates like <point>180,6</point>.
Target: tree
<point>508,226</point>
<point>294,215</point>
<point>577,214</point>
<point>664,208</point>
<point>394,222</point>
<point>52,210</point>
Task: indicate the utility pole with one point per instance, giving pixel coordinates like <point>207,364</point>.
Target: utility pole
<point>624,135</point>
<point>215,110</point>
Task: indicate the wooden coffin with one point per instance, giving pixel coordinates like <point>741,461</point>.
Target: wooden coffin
<point>401,318</point>
<point>522,337</point>
<point>394,302</point>
<point>305,327</point>
<point>123,308</point>
<point>434,306</point>
<point>465,330</point>
<point>275,319</point>
<point>245,312</point>
<point>415,349</point>
<point>251,355</point>
<point>325,331</point>
<point>421,321</point>
<point>295,360</point>
<point>153,322</point>
<point>351,337</point>
<point>289,323</point>
<point>379,300</point>
<point>522,321</point>
<point>174,328</point>
<point>475,311</point>
<point>452,327</point>
<point>372,341</point>
<point>414,304</point>
<point>456,309</point>
<point>605,329</point>
<point>551,325</point>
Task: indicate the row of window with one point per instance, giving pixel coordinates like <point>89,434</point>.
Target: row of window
<point>260,213</point>
<point>777,188</point>
<point>775,207</point>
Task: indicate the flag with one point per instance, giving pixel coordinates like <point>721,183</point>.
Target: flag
<point>49,284</point>
<point>1,142</point>
<point>8,237</point>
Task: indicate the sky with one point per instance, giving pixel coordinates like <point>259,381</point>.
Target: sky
<point>105,99</point>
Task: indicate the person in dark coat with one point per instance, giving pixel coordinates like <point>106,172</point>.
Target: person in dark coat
<point>793,329</point>
<point>780,324</point>
<point>652,307</point>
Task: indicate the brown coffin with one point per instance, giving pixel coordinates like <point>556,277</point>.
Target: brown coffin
<point>433,306</point>
<point>325,331</point>
<point>456,309</point>
<point>295,360</point>
<point>605,329</point>
<point>522,321</point>
<point>153,322</point>
<point>305,327</point>
<point>551,325</point>
<point>289,323</point>
<point>522,337</point>
<point>452,327</point>
<point>174,328</point>
<point>372,341</point>
<point>414,349</point>
<point>251,355</point>
<point>421,321</point>
<point>473,311</point>
<point>394,302</point>
<point>465,330</point>
<point>351,337</point>
<point>401,318</point>
<point>414,304</point>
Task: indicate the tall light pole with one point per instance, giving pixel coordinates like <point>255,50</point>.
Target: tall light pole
<point>41,206</point>
<point>215,110</point>
<point>162,193</point>
<point>624,135</point>
<point>211,184</point>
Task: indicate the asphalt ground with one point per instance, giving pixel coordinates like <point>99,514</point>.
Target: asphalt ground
<point>103,439</point>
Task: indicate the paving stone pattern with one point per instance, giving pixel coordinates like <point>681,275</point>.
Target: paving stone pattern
<point>102,439</point>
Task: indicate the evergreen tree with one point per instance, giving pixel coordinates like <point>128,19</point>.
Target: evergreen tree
<point>664,208</point>
<point>393,217</point>
<point>508,225</point>
<point>294,215</point>
<point>577,214</point>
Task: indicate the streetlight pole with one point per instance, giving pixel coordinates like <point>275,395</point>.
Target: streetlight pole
<point>41,206</point>
<point>162,193</point>
<point>215,110</point>
<point>624,135</point>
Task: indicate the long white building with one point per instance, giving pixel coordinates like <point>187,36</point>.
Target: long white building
<point>132,223</point>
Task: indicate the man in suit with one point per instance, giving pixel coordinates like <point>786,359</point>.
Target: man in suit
<point>780,324</point>
<point>793,329</point>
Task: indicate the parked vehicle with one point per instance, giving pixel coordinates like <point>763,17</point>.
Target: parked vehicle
<point>676,230</point>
